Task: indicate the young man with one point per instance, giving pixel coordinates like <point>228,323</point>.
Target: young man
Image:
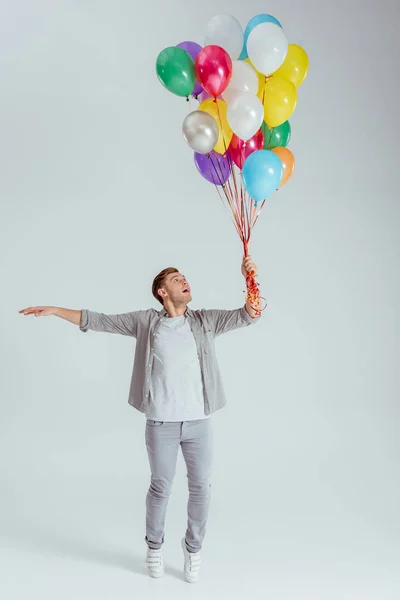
<point>176,383</point>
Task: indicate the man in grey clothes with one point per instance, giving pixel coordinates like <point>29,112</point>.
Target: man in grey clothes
<point>176,383</point>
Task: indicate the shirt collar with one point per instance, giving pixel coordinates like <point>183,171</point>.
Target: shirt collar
<point>188,313</point>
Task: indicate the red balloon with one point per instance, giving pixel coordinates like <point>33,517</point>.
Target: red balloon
<point>240,150</point>
<point>213,68</point>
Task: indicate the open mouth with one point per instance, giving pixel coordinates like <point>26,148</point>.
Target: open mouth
<point>186,291</point>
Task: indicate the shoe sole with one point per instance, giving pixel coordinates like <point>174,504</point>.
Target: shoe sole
<point>156,575</point>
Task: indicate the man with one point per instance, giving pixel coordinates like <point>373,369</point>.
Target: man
<point>176,383</point>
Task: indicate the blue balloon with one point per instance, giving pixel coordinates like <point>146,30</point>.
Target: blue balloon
<point>262,174</point>
<point>250,26</point>
<point>243,54</point>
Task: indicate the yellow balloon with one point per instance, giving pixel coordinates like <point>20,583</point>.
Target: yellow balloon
<point>295,65</point>
<point>279,97</point>
<point>218,109</point>
<point>261,77</point>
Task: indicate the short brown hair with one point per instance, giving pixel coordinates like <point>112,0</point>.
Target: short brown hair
<point>159,282</point>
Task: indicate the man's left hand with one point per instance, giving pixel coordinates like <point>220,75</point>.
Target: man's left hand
<point>249,266</point>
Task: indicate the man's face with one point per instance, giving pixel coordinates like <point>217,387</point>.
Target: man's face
<point>177,289</point>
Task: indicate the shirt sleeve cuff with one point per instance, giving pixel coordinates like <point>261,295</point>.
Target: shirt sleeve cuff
<point>246,317</point>
<point>84,324</point>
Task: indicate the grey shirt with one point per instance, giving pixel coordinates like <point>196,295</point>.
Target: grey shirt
<point>206,325</point>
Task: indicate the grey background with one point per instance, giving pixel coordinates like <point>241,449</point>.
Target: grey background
<point>98,193</point>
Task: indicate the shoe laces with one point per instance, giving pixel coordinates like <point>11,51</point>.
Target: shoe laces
<point>154,557</point>
<point>194,561</point>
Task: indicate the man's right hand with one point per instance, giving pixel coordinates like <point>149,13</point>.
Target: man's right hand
<point>73,316</point>
<point>39,311</point>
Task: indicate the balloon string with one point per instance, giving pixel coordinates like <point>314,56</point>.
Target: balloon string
<point>245,213</point>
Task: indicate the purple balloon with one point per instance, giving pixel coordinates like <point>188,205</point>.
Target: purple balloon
<point>193,49</point>
<point>197,89</point>
<point>205,95</point>
<point>214,167</point>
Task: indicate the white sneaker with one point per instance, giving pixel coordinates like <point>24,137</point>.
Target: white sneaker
<point>155,562</point>
<point>192,564</point>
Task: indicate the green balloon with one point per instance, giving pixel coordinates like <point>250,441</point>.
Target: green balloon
<point>275,137</point>
<point>175,70</point>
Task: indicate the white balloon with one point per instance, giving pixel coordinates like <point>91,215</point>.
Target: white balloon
<point>244,79</point>
<point>245,115</point>
<point>227,32</point>
<point>267,47</point>
<point>200,131</point>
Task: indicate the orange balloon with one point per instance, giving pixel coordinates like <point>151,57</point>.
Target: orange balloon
<point>287,159</point>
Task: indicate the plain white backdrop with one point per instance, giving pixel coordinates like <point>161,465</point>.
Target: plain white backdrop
<point>98,194</point>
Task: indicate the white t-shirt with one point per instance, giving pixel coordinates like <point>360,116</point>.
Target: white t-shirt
<point>176,388</point>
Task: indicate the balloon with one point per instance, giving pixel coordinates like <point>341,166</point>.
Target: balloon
<point>213,69</point>
<point>217,109</point>
<point>267,47</point>
<point>262,173</point>
<point>213,167</point>
<point>175,70</point>
<point>205,95</point>
<point>200,131</point>
<point>251,25</point>
<point>225,31</point>
<point>192,49</point>
<point>240,150</point>
<point>245,115</point>
<point>279,97</point>
<point>276,136</point>
<point>244,79</point>
<point>243,54</point>
<point>287,160</point>
<point>261,77</point>
<point>295,65</point>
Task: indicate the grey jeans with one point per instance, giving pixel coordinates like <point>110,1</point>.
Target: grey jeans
<point>162,441</point>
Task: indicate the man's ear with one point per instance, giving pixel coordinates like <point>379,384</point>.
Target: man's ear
<point>162,293</point>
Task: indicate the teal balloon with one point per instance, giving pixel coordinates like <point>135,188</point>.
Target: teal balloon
<point>175,70</point>
<point>243,54</point>
<point>275,137</point>
<point>251,25</point>
<point>262,174</point>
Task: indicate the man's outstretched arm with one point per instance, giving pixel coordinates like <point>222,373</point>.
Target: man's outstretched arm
<point>73,316</point>
<point>124,324</point>
<point>222,321</point>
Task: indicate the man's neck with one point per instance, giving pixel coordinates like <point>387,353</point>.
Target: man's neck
<point>175,311</point>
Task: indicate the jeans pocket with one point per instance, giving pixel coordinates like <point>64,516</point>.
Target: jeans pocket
<point>151,423</point>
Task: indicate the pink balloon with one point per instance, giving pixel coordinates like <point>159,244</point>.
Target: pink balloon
<point>213,68</point>
<point>205,95</point>
<point>240,150</point>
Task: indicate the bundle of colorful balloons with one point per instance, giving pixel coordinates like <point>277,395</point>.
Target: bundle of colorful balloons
<point>247,85</point>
